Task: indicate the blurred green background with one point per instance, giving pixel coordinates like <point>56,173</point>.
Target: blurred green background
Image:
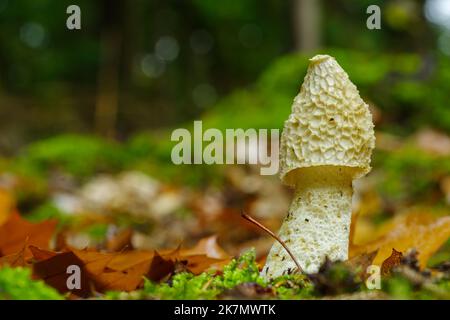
<point>140,65</point>
<point>105,98</point>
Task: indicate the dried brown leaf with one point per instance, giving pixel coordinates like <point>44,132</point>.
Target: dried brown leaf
<point>16,232</point>
<point>391,262</point>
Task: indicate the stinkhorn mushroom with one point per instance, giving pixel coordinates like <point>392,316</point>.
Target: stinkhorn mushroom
<point>326,143</point>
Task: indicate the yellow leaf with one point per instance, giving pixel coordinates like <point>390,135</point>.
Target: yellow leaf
<point>423,231</point>
<point>6,205</point>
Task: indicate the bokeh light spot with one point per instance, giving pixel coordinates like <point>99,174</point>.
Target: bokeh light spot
<point>438,12</point>
<point>152,66</point>
<point>32,34</point>
<point>167,48</point>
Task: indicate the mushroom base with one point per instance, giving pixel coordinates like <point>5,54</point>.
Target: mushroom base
<point>318,223</point>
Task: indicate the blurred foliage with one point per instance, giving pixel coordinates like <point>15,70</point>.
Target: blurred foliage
<point>46,211</point>
<point>400,287</point>
<point>80,156</point>
<point>409,173</point>
<point>441,256</point>
<point>391,82</point>
<point>50,77</point>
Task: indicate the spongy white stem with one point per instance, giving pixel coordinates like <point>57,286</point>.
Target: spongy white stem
<point>318,223</point>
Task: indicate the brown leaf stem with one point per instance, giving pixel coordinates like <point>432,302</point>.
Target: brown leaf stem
<point>273,235</point>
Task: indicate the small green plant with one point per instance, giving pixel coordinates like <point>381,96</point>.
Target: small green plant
<point>183,286</point>
<point>244,269</point>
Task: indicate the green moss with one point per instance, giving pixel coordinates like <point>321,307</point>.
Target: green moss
<point>207,285</point>
<point>78,155</point>
<point>210,285</point>
<point>290,287</point>
<point>398,287</point>
<point>16,283</point>
<point>183,286</point>
<point>244,269</point>
<point>443,255</point>
<point>444,285</point>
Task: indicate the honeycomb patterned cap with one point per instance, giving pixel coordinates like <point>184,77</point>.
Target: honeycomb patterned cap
<point>329,125</point>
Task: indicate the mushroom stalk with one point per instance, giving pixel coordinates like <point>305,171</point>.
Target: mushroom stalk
<point>326,143</point>
<point>318,222</point>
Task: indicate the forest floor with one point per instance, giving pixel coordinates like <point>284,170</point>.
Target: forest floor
<point>135,235</point>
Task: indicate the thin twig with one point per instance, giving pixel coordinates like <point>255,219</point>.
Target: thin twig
<point>273,235</point>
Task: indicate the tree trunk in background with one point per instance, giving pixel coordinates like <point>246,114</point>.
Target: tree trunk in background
<point>307,24</point>
<point>107,103</point>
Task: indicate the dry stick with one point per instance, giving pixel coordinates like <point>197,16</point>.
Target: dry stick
<point>273,235</point>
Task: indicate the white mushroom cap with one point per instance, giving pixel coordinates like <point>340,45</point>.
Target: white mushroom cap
<point>330,125</point>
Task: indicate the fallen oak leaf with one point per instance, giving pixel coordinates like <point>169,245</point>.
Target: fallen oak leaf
<point>207,246</point>
<point>16,232</point>
<point>54,272</point>
<point>14,260</point>
<point>125,271</point>
<point>88,256</point>
<point>120,241</point>
<point>154,268</point>
<point>207,254</point>
<point>119,271</point>
<point>130,276</point>
<point>53,268</point>
<point>100,271</point>
<point>128,259</point>
<point>41,254</point>
<point>126,280</point>
<point>94,262</point>
<point>160,268</point>
<point>198,264</point>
